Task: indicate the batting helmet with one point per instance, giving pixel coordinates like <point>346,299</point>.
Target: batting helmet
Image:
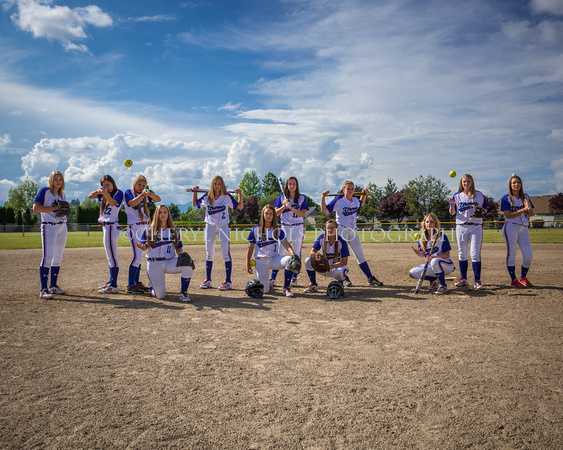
<point>254,289</point>
<point>335,290</point>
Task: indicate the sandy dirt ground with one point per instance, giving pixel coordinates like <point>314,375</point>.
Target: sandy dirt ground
<point>381,368</point>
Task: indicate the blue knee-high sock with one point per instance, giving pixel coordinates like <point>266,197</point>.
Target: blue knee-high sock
<point>44,276</point>
<point>274,274</point>
<point>463,265</point>
<point>208,269</point>
<point>512,272</point>
<point>185,284</point>
<point>441,278</point>
<point>138,274</point>
<point>113,272</point>
<point>54,275</point>
<point>477,270</point>
<point>365,269</point>
<point>228,270</point>
<point>524,271</point>
<point>287,279</point>
<point>312,277</point>
<point>132,275</point>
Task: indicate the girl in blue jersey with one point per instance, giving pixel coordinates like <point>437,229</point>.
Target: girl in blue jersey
<point>517,208</point>
<point>263,242</point>
<point>438,256</point>
<point>53,233</point>
<point>110,199</point>
<point>136,204</point>
<point>346,207</point>
<point>217,203</point>
<point>162,243</point>
<point>291,207</point>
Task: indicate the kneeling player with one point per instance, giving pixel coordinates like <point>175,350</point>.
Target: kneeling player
<point>335,249</point>
<point>436,252</point>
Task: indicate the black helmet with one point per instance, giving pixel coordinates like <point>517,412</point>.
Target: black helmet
<point>335,290</point>
<point>254,289</point>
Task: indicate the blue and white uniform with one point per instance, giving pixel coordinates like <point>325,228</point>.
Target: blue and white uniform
<point>161,259</point>
<point>217,224</point>
<point>339,249</point>
<point>346,212</point>
<point>266,254</point>
<point>136,225</point>
<point>515,233</point>
<point>469,231</point>
<point>53,238</point>
<point>438,267</point>
<point>109,221</point>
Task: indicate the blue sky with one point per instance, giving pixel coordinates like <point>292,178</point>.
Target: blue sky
<point>326,91</point>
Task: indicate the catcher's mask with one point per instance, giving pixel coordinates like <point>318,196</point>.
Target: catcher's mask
<point>254,289</point>
<point>335,290</point>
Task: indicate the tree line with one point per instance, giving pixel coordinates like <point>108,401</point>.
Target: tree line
<point>414,200</point>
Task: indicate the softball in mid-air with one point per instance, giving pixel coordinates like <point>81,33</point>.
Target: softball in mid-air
<point>128,162</point>
<point>452,174</point>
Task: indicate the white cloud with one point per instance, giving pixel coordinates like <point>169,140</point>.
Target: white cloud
<point>59,23</point>
<point>547,6</point>
<point>5,140</point>
<point>229,107</point>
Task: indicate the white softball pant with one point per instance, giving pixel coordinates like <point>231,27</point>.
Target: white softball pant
<point>517,235</point>
<point>295,235</point>
<point>210,236</point>
<point>53,240</point>
<point>263,266</point>
<point>156,271</point>
<point>135,233</point>
<point>437,265</point>
<point>352,238</point>
<point>469,240</point>
<point>338,274</point>
<point>111,235</point>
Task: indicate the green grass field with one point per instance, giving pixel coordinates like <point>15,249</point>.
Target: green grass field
<point>77,239</point>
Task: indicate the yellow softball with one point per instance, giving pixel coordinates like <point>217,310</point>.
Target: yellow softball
<point>128,162</point>
<point>452,174</point>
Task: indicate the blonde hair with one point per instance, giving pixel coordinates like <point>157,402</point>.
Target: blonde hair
<point>520,192</point>
<point>274,222</point>
<point>211,193</point>
<point>61,192</point>
<point>472,189</point>
<point>346,183</point>
<point>154,229</point>
<point>426,234</point>
<point>143,205</point>
<point>112,193</point>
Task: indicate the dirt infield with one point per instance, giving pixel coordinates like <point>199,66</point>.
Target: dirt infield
<point>380,368</point>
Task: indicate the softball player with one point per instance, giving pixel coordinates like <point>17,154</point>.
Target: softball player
<point>136,206</point>
<point>469,229</point>
<point>335,249</point>
<point>346,207</point>
<point>53,233</point>
<point>263,241</point>
<point>110,199</point>
<point>217,203</point>
<point>292,208</point>
<point>438,256</point>
<point>162,242</point>
<point>517,208</point>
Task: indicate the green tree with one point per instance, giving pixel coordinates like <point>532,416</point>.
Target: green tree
<point>270,186</point>
<point>250,184</point>
<point>390,187</point>
<point>89,203</point>
<point>370,208</point>
<point>21,197</point>
<point>174,210</point>
<point>424,195</point>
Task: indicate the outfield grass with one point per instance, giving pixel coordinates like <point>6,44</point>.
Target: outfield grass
<point>76,239</point>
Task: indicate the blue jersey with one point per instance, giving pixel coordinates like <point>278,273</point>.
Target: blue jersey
<point>513,205</point>
<point>442,246</point>
<point>164,245</point>
<point>45,198</point>
<point>346,210</point>
<point>133,211</point>
<point>111,213</point>
<point>218,213</point>
<point>343,250</point>
<point>265,246</point>
<point>464,207</point>
<point>288,217</point>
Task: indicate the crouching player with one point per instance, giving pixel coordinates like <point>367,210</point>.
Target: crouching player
<point>336,251</point>
<point>162,242</point>
<point>437,255</point>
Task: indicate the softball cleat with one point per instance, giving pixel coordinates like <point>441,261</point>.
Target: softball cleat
<point>525,282</point>
<point>57,290</point>
<point>311,288</point>
<point>478,285</point>
<point>225,286</point>
<point>109,290</point>
<point>516,283</point>
<point>184,297</point>
<point>287,292</point>
<point>374,281</point>
<point>462,282</point>
<point>347,282</point>
<point>206,285</point>
<point>45,294</point>
<point>441,290</point>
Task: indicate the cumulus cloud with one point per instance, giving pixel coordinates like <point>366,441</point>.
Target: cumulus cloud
<point>547,6</point>
<point>59,23</point>
<point>5,140</point>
